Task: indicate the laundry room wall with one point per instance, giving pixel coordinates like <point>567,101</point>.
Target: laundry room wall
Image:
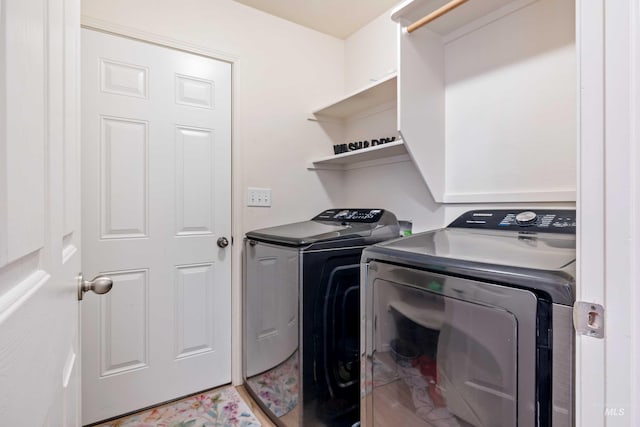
<point>397,186</point>
<point>283,70</point>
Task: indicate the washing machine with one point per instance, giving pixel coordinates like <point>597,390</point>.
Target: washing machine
<point>471,325</point>
<point>302,315</point>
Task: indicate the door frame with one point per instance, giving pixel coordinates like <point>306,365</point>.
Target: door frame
<point>236,165</point>
<point>608,204</point>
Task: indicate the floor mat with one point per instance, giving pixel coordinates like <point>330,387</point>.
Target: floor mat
<point>221,408</point>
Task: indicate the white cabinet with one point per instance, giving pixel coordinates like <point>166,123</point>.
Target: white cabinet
<point>366,114</point>
<point>487,99</point>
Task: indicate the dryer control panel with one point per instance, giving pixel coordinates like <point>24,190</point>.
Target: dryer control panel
<point>534,220</point>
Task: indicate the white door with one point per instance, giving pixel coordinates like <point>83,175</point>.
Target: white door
<point>39,213</point>
<point>156,176</point>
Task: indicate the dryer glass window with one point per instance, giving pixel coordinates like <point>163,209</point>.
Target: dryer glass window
<point>441,361</point>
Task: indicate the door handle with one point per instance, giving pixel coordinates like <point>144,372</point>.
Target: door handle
<point>223,242</point>
<point>100,285</point>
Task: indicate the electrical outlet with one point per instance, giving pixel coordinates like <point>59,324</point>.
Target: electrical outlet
<point>258,197</point>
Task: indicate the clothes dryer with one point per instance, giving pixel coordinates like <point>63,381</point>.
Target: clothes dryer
<point>471,325</point>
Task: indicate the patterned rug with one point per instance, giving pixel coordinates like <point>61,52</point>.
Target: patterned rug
<point>221,408</point>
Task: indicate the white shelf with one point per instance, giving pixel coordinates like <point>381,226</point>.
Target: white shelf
<point>391,152</point>
<point>380,92</point>
<point>413,10</point>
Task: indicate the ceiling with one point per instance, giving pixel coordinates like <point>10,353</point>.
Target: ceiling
<point>339,18</point>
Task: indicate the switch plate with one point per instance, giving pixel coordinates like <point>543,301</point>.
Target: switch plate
<point>259,197</point>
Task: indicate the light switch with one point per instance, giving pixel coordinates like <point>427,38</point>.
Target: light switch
<point>259,197</point>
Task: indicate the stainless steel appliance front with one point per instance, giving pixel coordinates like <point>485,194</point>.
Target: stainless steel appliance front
<point>447,350</point>
<point>471,325</point>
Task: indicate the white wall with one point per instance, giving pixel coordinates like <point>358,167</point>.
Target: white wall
<point>510,105</point>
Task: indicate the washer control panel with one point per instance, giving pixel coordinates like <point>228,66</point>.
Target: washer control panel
<point>350,215</point>
<point>534,220</point>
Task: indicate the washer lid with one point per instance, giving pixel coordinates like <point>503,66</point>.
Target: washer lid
<point>542,261</point>
<point>333,224</point>
<point>303,233</point>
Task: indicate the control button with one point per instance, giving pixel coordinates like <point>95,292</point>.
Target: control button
<point>526,218</point>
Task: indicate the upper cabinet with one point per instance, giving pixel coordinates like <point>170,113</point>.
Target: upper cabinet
<point>487,98</point>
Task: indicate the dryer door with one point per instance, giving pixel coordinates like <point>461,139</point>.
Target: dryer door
<point>447,351</point>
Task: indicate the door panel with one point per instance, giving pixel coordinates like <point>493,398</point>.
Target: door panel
<point>39,235</point>
<point>156,197</point>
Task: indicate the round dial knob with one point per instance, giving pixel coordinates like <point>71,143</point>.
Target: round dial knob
<point>526,218</point>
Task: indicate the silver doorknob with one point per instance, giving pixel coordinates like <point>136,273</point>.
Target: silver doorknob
<point>100,285</point>
<point>223,242</point>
